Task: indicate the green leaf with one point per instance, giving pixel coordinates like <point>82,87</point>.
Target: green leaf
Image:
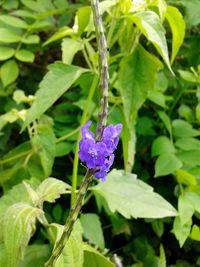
<point>61,33</point>
<point>185,208</point>
<point>137,74</point>
<point>6,52</point>
<point>184,177</point>
<point>195,233</point>
<point>162,145</point>
<point>188,143</point>
<point>150,25</point>
<point>166,120</point>
<point>92,229</point>
<point>192,12</point>
<point>18,227</point>
<point>35,255</point>
<point>167,164</point>
<point>7,36</point>
<point>72,255</point>
<point>188,76</point>
<point>92,258</point>
<point>24,55</point>
<point>157,97</point>
<point>83,18</point>
<point>69,48</point>
<point>181,231</point>
<point>31,39</point>
<point>55,83</point>
<point>132,197</point>
<point>14,22</point>
<point>44,144</point>
<point>177,25</point>
<point>51,189</point>
<point>190,157</point>
<point>182,128</point>
<point>9,72</point>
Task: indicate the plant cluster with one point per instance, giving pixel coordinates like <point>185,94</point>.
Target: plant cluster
<point>146,213</point>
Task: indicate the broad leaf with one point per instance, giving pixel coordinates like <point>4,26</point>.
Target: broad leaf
<point>136,76</point>
<point>177,26</point>
<point>150,25</point>
<point>18,227</point>
<point>51,189</point>
<point>6,52</point>
<point>92,229</point>
<point>181,231</point>
<point>93,258</point>
<point>72,255</point>
<point>24,55</point>
<point>167,164</point>
<point>131,197</point>
<point>56,82</point>
<point>9,72</point>
<point>188,143</point>
<point>182,128</point>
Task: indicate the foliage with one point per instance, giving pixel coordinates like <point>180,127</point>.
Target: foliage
<point>49,88</point>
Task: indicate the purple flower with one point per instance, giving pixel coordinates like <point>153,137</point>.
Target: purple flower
<point>99,155</point>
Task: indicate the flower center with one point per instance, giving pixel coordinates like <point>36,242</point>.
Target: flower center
<point>93,153</point>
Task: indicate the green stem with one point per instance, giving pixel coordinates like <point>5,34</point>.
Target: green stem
<point>83,121</point>
<point>66,136</point>
<point>70,220</point>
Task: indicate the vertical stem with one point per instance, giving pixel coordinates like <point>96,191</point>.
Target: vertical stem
<point>103,66</point>
<point>74,212</point>
<point>83,121</point>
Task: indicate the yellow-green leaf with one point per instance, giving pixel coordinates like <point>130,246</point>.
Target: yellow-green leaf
<point>6,52</point>
<point>9,72</point>
<point>24,55</point>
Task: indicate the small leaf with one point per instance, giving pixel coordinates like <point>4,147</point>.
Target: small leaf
<point>188,143</point>
<point>7,36</point>
<point>177,25</point>
<point>150,25</point>
<point>6,52</point>
<point>131,197</point>
<point>190,158</point>
<point>185,208</point>
<point>18,227</point>
<point>195,233</point>
<point>51,189</point>
<point>93,258</point>
<point>166,120</point>
<point>56,82</point>
<point>9,72</point>
<point>69,48</point>
<point>167,164</point>
<point>31,39</point>
<point>92,229</point>
<point>24,55</point>
<point>13,21</point>
<point>182,128</point>
<point>181,231</point>
<point>184,177</point>
<point>162,145</point>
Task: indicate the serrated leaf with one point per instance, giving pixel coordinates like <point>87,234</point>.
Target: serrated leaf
<point>13,21</point>
<point>92,229</point>
<point>6,52</point>
<point>162,145</point>
<point>167,164</point>
<point>7,36</point>
<point>132,197</point>
<point>150,25</point>
<point>177,25</point>
<point>93,258</point>
<point>9,72</point>
<point>18,227</point>
<point>24,55</point>
<point>56,82</point>
<point>51,189</point>
<point>72,255</point>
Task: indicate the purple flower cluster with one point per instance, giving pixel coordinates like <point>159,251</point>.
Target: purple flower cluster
<point>99,155</point>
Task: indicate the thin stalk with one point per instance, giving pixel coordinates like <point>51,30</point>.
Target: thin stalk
<point>70,220</point>
<point>66,136</point>
<point>83,121</point>
<point>75,210</point>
